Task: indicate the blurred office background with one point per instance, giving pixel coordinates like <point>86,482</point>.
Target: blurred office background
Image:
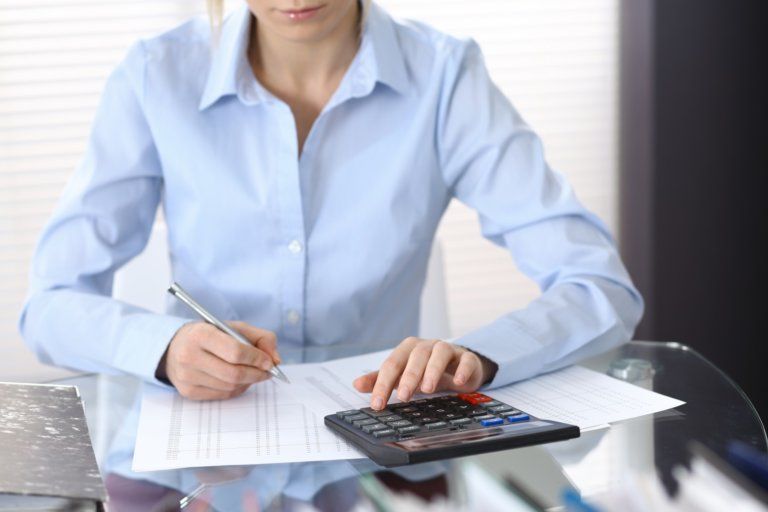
<point>652,108</point>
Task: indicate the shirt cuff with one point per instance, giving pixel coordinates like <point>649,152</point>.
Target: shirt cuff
<point>518,354</point>
<point>145,340</point>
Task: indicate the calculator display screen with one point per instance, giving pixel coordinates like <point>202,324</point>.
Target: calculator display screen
<point>465,436</point>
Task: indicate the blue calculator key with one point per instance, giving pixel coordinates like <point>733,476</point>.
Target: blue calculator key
<point>492,422</point>
<point>519,417</point>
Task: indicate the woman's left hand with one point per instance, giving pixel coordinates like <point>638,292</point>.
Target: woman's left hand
<point>427,366</point>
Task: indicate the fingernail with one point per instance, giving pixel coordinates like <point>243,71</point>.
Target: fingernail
<point>427,386</point>
<point>378,403</point>
<point>461,378</point>
<point>403,393</point>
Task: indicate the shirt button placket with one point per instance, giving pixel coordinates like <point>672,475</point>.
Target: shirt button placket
<point>292,231</point>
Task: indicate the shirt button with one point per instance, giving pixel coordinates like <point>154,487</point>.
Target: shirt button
<point>293,317</point>
<point>294,247</point>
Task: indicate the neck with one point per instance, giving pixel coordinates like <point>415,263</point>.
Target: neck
<point>304,64</point>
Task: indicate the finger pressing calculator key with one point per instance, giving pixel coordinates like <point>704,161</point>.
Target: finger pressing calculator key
<point>443,427</point>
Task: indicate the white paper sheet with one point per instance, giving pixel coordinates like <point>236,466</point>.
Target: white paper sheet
<point>582,397</point>
<point>265,425</point>
<point>279,423</point>
<point>326,387</point>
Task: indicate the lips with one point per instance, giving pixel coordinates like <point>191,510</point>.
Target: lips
<point>301,14</point>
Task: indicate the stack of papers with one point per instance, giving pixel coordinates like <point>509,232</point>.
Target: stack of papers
<point>275,422</point>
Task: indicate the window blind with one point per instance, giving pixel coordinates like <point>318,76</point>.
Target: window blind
<point>54,58</point>
<point>555,59</point>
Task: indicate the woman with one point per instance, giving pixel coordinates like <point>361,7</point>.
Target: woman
<point>303,156</point>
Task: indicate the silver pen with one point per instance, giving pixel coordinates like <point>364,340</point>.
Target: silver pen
<point>178,292</point>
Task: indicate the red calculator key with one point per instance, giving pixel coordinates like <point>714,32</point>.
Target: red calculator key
<point>474,398</point>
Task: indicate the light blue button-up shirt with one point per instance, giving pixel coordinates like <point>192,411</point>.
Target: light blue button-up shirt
<point>328,246</point>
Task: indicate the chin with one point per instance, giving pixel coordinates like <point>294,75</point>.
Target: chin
<point>315,27</point>
<point>304,34</point>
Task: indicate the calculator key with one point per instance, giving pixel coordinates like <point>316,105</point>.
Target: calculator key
<point>419,402</point>
<point>428,419</point>
<point>436,425</point>
<point>407,409</point>
<point>477,412</point>
<point>391,417</point>
<point>362,423</point>
<point>474,398</point>
<point>399,423</point>
<point>513,412</point>
<point>374,427</point>
<point>451,416</point>
<point>491,422</point>
<point>400,405</point>
<point>441,411</point>
<point>384,433</point>
<point>484,417</point>
<point>411,429</point>
<point>518,417</point>
<point>355,417</point>
<point>415,415</point>
<point>350,412</point>
<point>461,421</point>
<point>492,403</point>
<point>376,414</point>
<point>501,408</point>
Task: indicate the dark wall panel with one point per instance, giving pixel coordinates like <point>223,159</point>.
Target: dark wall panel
<point>706,183</point>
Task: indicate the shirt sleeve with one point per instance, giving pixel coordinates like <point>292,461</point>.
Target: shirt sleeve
<point>494,163</point>
<point>102,220</point>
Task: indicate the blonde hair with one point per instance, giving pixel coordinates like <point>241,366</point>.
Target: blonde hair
<point>216,16</point>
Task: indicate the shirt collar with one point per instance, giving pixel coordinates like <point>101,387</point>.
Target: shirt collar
<point>380,59</point>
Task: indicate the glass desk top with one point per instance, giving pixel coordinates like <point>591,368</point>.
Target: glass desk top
<point>716,412</point>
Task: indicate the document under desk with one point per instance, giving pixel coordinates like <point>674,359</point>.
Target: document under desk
<point>592,463</point>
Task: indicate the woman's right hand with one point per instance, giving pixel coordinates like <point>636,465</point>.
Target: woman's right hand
<point>203,363</point>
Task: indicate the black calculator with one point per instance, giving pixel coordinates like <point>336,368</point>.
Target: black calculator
<point>443,427</point>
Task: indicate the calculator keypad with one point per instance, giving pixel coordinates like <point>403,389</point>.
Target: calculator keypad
<point>461,411</point>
